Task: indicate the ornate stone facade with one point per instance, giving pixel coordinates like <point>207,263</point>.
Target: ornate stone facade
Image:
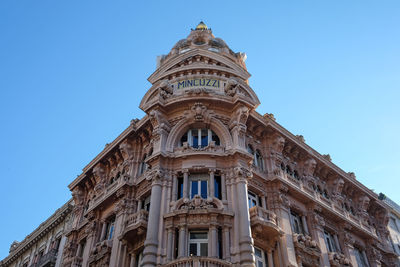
<point>44,247</point>
<point>205,180</point>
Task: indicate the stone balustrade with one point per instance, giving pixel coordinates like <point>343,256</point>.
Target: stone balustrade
<point>76,262</point>
<point>264,221</point>
<point>338,259</point>
<point>198,262</point>
<point>48,259</point>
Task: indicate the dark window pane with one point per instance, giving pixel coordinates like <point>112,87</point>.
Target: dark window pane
<point>195,138</point>
<point>193,250</point>
<point>198,235</point>
<point>204,189</point>
<point>180,188</point>
<point>195,188</point>
<point>184,138</point>
<point>204,249</point>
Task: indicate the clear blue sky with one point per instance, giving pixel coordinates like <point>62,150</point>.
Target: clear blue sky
<point>72,74</point>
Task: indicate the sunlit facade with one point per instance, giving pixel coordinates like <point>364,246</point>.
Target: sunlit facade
<point>205,180</point>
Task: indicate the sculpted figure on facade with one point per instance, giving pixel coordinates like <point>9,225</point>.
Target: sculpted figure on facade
<point>166,90</point>
<point>231,87</point>
<point>308,172</point>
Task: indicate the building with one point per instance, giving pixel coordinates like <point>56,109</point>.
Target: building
<point>44,246</point>
<point>394,223</point>
<point>205,180</point>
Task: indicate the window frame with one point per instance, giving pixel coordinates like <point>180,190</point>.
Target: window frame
<point>202,136</point>
<point>330,242</point>
<point>260,259</point>
<point>199,179</point>
<point>198,243</point>
<point>252,197</point>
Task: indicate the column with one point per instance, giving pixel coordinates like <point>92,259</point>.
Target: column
<point>264,202</point>
<point>174,187</point>
<point>89,244</point>
<point>185,183</point>
<point>209,136</point>
<point>245,239</point>
<point>223,187</point>
<point>118,250</point>
<point>133,260</point>
<point>60,251</point>
<point>182,240</point>
<point>319,224</point>
<point>151,243</point>
<point>212,241</point>
<point>226,244</point>
<point>304,221</point>
<point>139,205</point>
<point>170,246</point>
<point>212,183</point>
<point>270,258</point>
<point>286,242</point>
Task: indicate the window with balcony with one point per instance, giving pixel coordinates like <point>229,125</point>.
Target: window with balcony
<point>330,242</point>
<point>198,243</point>
<point>260,257</point>
<point>253,200</point>
<point>198,138</point>
<point>360,257</point>
<point>297,223</point>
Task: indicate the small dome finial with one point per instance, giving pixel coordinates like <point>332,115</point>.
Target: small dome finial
<point>202,26</point>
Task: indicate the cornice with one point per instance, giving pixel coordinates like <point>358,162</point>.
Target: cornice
<point>276,126</point>
<point>53,221</point>
<point>130,129</point>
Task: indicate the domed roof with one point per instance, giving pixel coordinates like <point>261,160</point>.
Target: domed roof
<point>202,26</point>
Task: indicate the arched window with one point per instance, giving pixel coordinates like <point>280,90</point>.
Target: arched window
<point>198,138</point>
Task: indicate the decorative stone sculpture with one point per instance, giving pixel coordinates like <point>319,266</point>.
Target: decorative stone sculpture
<point>231,87</point>
<point>166,90</point>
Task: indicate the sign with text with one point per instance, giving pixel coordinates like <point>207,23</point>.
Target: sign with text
<point>198,83</point>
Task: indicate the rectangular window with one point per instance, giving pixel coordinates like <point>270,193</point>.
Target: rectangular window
<point>253,200</point>
<point>297,223</point>
<point>217,187</point>
<point>330,242</point>
<point>110,228</point>
<point>260,257</point>
<point>83,245</point>
<point>146,204</point>
<point>198,244</point>
<point>199,185</point>
<point>360,257</point>
<point>180,187</point>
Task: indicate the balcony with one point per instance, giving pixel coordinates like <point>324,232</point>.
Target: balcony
<point>48,260</point>
<point>338,259</point>
<point>198,262</point>
<point>76,262</point>
<point>101,253</point>
<point>307,250</point>
<point>264,222</point>
<point>136,224</point>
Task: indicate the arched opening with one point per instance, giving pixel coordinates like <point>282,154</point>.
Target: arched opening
<point>199,137</point>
